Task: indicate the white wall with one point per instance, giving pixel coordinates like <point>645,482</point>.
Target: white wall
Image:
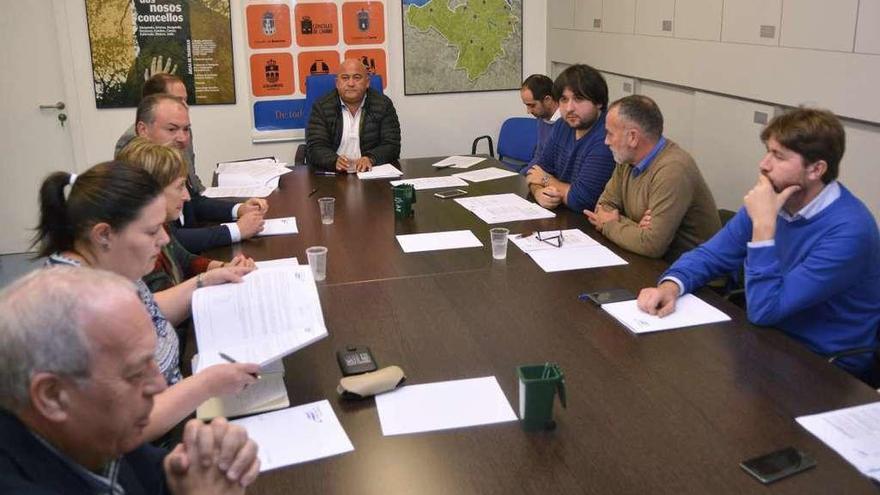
<point>725,63</point>
<point>431,124</point>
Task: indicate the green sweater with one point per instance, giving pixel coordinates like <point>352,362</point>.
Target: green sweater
<point>683,212</point>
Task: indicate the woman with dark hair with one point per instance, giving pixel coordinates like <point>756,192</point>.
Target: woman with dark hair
<point>112,219</point>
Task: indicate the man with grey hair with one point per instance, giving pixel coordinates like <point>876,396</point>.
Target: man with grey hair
<point>656,203</point>
<point>77,382</point>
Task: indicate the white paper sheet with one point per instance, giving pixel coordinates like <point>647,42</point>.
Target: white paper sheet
<point>279,226</point>
<point>443,405</point>
<point>431,182</point>
<point>575,258</point>
<point>501,208</point>
<point>853,432</point>
<point>239,192</point>
<point>436,241</point>
<point>484,174</point>
<point>385,171</point>
<point>690,310</point>
<point>458,161</point>
<point>571,238</point>
<point>250,173</point>
<point>273,313</point>
<point>295,435</point>
<point>277,262</point>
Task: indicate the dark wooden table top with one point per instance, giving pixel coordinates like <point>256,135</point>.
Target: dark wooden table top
<point>670,412</point>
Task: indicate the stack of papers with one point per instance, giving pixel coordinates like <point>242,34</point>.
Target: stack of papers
<point>690,310</point>
<point>431,182</point>
<point>247,178</point>
<point>436,241</point>
<point>295,435</point>
<point>853,432</point>
<point>458,162</point>
<point>278,226</point>
<point>500,208</point>
<point>272,313</point>
<point>277,262</point>
<point>443,405</point>
<point>576,251</point>
<point>386,171</point>
<point>267,394</point>
<point>485,174</point>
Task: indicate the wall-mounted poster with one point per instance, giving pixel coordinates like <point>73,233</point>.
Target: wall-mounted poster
<point>468,45</point>
<point>290,40</point>
<point>134,39</point>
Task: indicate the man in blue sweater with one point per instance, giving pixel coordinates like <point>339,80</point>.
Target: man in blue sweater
<point>811,249</point>
<point>537,95</point>
<point>575,164</point>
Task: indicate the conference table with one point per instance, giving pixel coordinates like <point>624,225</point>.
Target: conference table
<point>667,412</point>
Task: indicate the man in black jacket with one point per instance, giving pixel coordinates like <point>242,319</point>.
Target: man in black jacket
<point>354,127</point>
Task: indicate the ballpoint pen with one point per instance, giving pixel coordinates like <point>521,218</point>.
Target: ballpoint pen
<point>324,172</point>
<point>313,192</point>
<point>229,358</point>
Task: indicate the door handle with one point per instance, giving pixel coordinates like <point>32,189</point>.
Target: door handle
<point>57,106</point>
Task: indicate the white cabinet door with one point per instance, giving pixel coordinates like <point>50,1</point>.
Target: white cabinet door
<point>698,19</point>
<point>588,15</point>
<point>819,24</point>
<point>751,21</point>
<point>858,169</point>
<point>655,17</point>
<point>561,13</point>
<point>619,86</point>
<point>677,106</point>
<point>618,16</point>
<point>868,27</point>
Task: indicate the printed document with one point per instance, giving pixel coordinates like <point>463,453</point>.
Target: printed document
<point>277,262</point>
<point>295,435</point>
<point>458,161</point>
<point>436,241</point>
<point>485,174</point>
<point>386,171</point>
<point>853,432</point>
<point>431,182</point>
<point>442,406</point>
<point>250,173</point>
<point>239,192</point>
<point>278,226</point>
<point>501,208</point>
<point>690,310</point>
<point>267,394</point>
<point>560,250</point>
<point>272,313</point>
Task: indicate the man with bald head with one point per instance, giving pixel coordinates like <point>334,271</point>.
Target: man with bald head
<point>354,127</point>
<point>78,378</point>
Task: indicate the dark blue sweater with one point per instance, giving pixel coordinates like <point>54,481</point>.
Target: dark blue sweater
<point>819,283</point>
<point>585,163</point>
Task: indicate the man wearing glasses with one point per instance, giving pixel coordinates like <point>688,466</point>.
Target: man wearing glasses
<point>811,249</point>
<point>656,203</point>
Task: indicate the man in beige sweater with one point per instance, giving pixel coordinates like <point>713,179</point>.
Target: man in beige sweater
<point>656,202</point>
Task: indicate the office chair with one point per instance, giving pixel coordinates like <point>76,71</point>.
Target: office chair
<point>730,287</point>
<point>873,376</point>
<point>316,87</point>
<point>516,142</point>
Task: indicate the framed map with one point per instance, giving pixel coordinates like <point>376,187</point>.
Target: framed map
<point>455,46</point>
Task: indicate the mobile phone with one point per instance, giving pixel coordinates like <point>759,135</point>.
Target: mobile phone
<point>777,465</point>
<point>356,360</point>
<point>450,193</point>
<point>610,296</point>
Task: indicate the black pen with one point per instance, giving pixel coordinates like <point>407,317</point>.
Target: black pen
<point>233,361</point>
<point>324,172</point>
<point>313,192</point>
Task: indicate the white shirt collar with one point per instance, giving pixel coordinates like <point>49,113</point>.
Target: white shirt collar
<point>554,117</point>
<point>823,200</point>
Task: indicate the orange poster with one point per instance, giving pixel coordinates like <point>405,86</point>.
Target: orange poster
<point>268,26</point>
<point>320,62</point>
<point>272,74</point>
<point>373,59</point>
<point>363,23</point>
<point>316,24</point>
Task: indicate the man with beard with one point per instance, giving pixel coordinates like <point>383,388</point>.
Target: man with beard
<point>656,203</point>
<point>811,249</point>
<point>575,163</point>
<point>537,95</point>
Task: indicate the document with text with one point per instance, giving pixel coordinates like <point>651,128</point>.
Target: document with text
<point>385,171</point>
<point>501,208</point>
<point>436,241</point>
<point>298,434</point>
<point>853,432</point>
<point>239,192</point>
<point>690,311</point>
<point>277,262</point>
<point>443,405</point>
<point>431,182</point>
<point>561,250</point>
<point>457,161</point>
<point>485,174</point>
<point>250,173</point>
<point>272,313</point>
<point>279,226</point>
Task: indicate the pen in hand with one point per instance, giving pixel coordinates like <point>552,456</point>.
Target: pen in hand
<point>229,358</point>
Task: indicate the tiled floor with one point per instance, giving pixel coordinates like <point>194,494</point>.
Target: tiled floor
<point>13,266</point>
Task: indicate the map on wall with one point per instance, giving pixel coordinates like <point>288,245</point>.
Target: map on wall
<point>453,46</point>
